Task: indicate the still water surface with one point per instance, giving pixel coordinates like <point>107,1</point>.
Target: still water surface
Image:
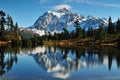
<point>58,63</point>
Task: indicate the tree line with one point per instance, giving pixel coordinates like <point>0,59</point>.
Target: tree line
<point>99,33</point>
<point>7,25</point>
<point>10,32</point>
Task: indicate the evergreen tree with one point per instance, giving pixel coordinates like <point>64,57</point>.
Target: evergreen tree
<point>90,32</point>
<point>66,33</point>
<point>2,27</point>
<point>8,21</point>
<point>118,26</point>
<point>2,24</point>
<point>55,36</point>
<point>16,28</point>
<point>49,36</point>
<point>72,34</point>
<point>84,33</point>
<point>2,14</point>
<point>11,24</point>
<point>100,32</point>
<point>111,27</point>
<point>78,29</point>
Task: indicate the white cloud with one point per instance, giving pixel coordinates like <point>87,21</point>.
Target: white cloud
<point>67,1</point>
<point>112,5</point>
<point>42,1</point>
<point>96,3</point>
<point>85,1</point>
<point>58,7</point>
<point>105,4</point>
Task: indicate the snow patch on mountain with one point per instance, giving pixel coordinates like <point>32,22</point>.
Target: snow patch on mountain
<point>54,22</point>
<point>28,33</point>
<point>56,13</point>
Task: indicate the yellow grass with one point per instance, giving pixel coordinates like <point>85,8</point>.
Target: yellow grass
<point>4,42</point>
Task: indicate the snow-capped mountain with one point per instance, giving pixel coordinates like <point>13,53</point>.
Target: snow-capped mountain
<point>93,22</point>
<point>55,21</point>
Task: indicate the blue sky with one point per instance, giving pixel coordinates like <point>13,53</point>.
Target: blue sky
<point>26,12</point>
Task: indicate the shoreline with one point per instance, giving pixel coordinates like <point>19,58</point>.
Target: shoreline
<point>69,43</point>
<point>73,43</point>
<point>3,43</point>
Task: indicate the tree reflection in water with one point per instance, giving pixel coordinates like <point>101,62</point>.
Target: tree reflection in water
<point>62,61</point>
<point>8,56</point>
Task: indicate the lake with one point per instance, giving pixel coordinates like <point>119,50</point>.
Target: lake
<point>59,63</point>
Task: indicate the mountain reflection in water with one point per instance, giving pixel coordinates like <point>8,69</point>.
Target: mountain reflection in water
<point>61,62</point>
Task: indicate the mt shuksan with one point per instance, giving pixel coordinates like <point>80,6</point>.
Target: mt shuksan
<point>63,18</point>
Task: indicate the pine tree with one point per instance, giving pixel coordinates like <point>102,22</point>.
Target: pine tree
<point>78,29</point>
<point>11,24</point>
<point>49,36</point>
<point>8,21</point>
<point>2,24</point>
<point>84,33</point>
<point>118,26</point>
<point>100,31</point>
<point>111,27</point>
<point>2,14</point>
<point>90,32</point>
<point>16,28</point>
<point>65,33</point>
<point>72,34</point>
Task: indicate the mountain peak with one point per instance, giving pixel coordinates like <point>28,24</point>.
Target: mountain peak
<point>63,10</point>
<point>49,11</point>
<point>63,18</point>
<point>91,17</point>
